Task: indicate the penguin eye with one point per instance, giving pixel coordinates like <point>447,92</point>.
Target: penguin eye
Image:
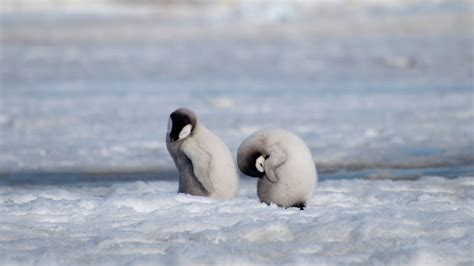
<point>170,125</point>
<point>260,164</point>
<point>185,131</point>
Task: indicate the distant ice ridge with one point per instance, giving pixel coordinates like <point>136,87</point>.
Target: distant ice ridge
<point>425,222</point>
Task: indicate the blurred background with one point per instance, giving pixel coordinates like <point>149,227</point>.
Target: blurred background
<point>377,89</point>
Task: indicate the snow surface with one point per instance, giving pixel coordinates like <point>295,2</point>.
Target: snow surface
<point>424,222</point>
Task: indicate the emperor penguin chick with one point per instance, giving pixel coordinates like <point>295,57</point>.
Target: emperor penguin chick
<point>205,164</point>
<point>284,165</point>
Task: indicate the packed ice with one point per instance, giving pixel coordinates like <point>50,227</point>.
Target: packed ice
<point>424,222</point>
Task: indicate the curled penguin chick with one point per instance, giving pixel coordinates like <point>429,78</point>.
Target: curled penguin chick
<point>284,165</point>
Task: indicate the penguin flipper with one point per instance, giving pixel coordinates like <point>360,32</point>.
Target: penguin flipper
<point>277,157</point>
<point>201,161</point>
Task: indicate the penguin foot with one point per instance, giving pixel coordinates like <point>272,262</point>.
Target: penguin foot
<point>300,205</point>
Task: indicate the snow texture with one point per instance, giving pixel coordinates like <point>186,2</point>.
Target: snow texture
<point>424,222</point>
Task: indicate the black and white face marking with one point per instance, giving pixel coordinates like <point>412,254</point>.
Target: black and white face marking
<point>260,164</point>
<point>254,165</point>
<point>180,124</point>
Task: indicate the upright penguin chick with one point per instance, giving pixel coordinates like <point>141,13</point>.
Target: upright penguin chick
<point>204,163</point>
<point>284,165</point>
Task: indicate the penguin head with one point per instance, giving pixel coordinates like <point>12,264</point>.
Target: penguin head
<point>253,164</point>
<point>181,124</point>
